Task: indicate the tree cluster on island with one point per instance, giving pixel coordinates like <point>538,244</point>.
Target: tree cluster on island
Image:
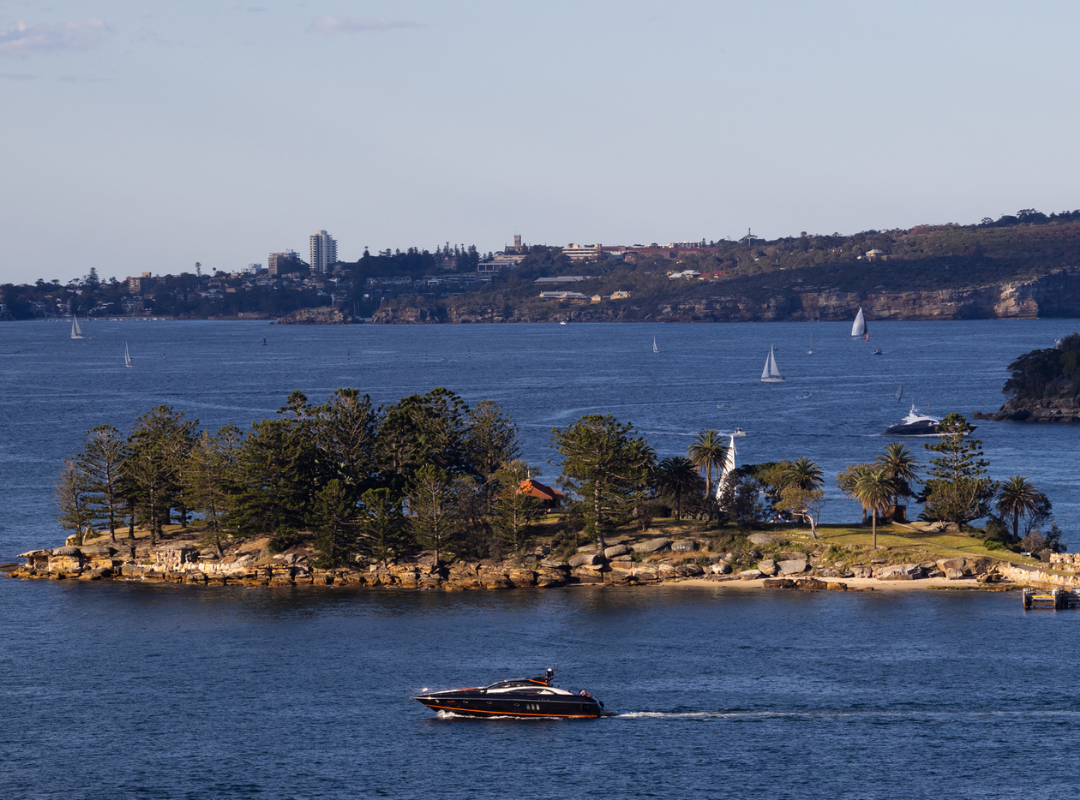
<point>431,473</point>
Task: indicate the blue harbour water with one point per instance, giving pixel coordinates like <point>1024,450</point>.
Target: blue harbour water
<point>130,690</point>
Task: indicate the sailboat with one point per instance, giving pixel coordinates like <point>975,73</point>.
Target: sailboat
<point>859,327</point>
<point>127,356</point>
<point>76,331</point>
<point>771,374</point>
<point>899,393</point>
<point>655,349</point>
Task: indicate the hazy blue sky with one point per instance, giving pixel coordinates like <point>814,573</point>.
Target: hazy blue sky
<point>145,136</point>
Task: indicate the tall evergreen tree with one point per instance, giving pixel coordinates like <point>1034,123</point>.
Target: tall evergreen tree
<point>515,511</point>
<point>491,440</point>
<point>958,490</point>
<point>274,487</point>
<point>344,432</point>
<point>102,461</point>
<point>159,446</point>
<point>434,507</point>
<point>210,480</point>
<point>422,430</point>
<point>605,465</point>
<point>333,519</point>
<point>382,531</point>
<point>71,500</point>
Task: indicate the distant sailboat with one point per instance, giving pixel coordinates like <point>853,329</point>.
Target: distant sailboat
<point>771,374</point>
<point>76,331</point>
<point>811,350</point>
<point>899,393</point>
<point>655,349</point>
<point>127,356</point>
<point>859,327</point>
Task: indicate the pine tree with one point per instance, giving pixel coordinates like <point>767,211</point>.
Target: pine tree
<point>957,490</point>
<point>102,461</point>
<point>71,499</point>
<point>210,477</point>
<point>605,465</point>
<point>333,519</point>
<point>381,527</point>
<point>159,446</point>
<point>515,511</point>
<point>433,505</point>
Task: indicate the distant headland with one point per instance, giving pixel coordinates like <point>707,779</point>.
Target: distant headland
<point>1043,385</point>
<point>1019,266</point>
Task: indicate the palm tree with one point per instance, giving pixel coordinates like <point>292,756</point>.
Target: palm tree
<point>804,474</point>
<point>676,476</point>
<point>707,454</point>
<point>874,490</point>
<point>900,467</point>
<point>1019,498</point>
<point>847,480</point>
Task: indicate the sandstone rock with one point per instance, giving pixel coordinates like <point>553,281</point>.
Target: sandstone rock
<point>616,550</point>
<point>751,574</point>
<point>836,586</point>
<point>522,577</point>
<point>946,564</point>
<point>954,574</point>
<point>899,572</point>
<point>587,548</point>
<point>550,563</point>
<point>778,583</point>
<point>67,550</point>
<point>810,584</point>
<point>623,559</point>
<point>935,573</point>
<point>684,546</point>
<point>652,545</point>
<point>550,577</point>
<point>689,570</point>
<point>586,560</point>
<point>765,539</point>
<point>792,566</point>
<point>495,580</point>
<point>645,576</point>
<point>768,567</point>
<point>586,575</point>
<point>620,577</point>
<point>720,568</point>
<point>862,572</point>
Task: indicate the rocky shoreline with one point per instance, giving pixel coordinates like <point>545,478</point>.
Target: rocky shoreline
<point>625,562</point>
<point>1065,409</point>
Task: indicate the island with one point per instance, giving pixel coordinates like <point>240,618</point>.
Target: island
<point>1043,385</point>
<point>430,493</point>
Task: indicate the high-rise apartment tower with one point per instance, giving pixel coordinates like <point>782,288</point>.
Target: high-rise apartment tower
<point>323,252</point>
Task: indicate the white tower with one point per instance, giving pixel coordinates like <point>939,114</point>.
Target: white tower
<point>323,252</point>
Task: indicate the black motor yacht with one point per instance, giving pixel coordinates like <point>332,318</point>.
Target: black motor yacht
<point>916,424</point>
<point>520,697</point>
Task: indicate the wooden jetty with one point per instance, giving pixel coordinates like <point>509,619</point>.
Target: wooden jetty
<point>1054,600</point>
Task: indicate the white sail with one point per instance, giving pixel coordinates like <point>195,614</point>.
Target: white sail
<point>771,374</point>
<point>655,349</point>
<point>76,331</point>
<point>127,356</point>
<point>859,326</point>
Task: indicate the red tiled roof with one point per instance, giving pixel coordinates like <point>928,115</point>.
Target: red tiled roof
<point>538,490</point>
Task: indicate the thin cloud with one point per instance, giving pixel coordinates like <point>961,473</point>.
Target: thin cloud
<point>17,76</point>
<point>30,37</point>
<point>330,26</point>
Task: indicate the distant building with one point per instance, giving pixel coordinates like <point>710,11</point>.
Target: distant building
<point>874,255</point>
<point>323,251</point>
<point>284,262</point>
<point>139,285</point>
<point>562,279</point>
<point>583,252</point>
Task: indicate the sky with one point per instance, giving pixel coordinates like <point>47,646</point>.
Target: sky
<point>140,135</point>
